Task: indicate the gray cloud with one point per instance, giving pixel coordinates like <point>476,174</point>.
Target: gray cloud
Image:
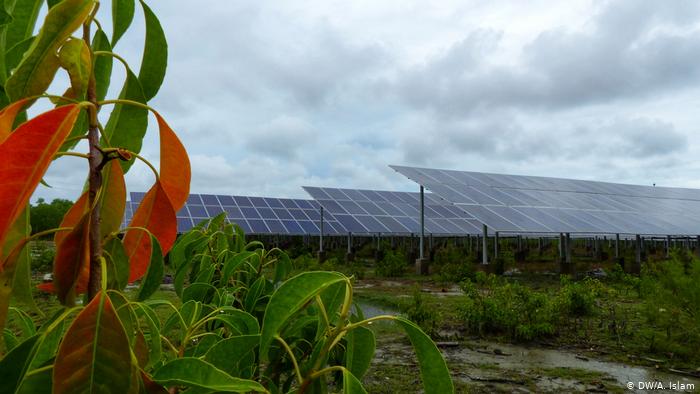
<point>268,97</point>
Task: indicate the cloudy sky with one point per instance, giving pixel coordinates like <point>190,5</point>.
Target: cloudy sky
<point>269,96</point>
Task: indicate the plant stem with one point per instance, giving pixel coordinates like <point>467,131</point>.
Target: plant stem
<point>94,181</point>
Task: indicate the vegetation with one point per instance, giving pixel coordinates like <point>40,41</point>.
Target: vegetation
<point>242,323</point>
<point>43,216</point>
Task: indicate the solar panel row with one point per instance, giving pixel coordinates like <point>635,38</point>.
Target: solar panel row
<point>371,211</point>
<point>524,204</point>
<point>255,215</point>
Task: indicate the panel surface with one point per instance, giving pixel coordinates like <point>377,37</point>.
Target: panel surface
<point>385,212</point>
<point>255,215</point>
<point>533,204</point>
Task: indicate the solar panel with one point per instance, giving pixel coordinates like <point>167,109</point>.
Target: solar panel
<point>385,212</point>
<point>255,215</point>
<point>530,204</point>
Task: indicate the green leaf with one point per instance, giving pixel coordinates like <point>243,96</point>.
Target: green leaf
<point>254,293</point>
<point>22,285</point>
<point>193,372</point>
<point>227,354</point>
<point>15,364</point>
<point>36,382</point>
<point>5,18</point>
<point>155,350</point>
<point>36,71</point>
<point>102,65</point>
<point>127,124</point>
<point>118,264</point>
<point>155,55</point>
<point>14,55</point>
<point>351,385</point>
<point>202,292</point>
<point>433,370</point>
<point>360,350</point>
<point>74,57</point>
<point>288,299</point>
<point>24,16</point>
<point>238,321</point>
<point>122,15</point>
<point>95,355</point>
<point>154,276</point>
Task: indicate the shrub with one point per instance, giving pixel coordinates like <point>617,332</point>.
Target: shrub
<point>508,308</point>
<point>427,319</point>
<point>578,298</point>
<point>392,265</point>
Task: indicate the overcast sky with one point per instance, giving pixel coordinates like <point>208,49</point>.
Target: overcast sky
<point>269,96</point>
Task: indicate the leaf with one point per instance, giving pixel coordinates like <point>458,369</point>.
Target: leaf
<point>8,116</point>
<point>157,215</point>
<point>351,385</point>
<point>113,199</point>
<point>433,370</point>
<point>122,15</point>
<point>15,54</point>
<point>118,264</point>
<point>36,71</point>
<point>193,372</point>
<point>238,321</point>
<point>14,365</point>
<point>127,124</point>
<point>95,353</point>
<point>175,170</point>
<point>74,57</point>
<point>102,65</point>
<point>71,269</point>
<point>72,217</point>
<point>26,154</point>
<point>151,387</point>
<point>154,275</point>
<point>288,299</point>
<point>36,382</point>
<point>360,350</point>
<point>8,268</point>
<point>22,282</point>
<point>155,55</point>
<point>228,353</point>
<point>24,16</point>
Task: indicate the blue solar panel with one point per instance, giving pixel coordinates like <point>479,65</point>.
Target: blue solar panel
<point>527,204</point>
<point>255,215</point>
<point>386,212</point>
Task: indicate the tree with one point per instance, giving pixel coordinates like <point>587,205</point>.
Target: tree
<point>43,216</point>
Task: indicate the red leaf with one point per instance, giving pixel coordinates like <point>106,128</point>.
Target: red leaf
<point>94,356</point>
<point>155,213</point>
<point>113,198</point>
<point>25,156</point>
<point>8,116</point>
<point>71,268</point>
<point>72,217</point>
<point>175,170</point>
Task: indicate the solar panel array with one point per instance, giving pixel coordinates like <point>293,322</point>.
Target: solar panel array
<point>255,215</point>
<point>529,204</point>
<point>371,211</point>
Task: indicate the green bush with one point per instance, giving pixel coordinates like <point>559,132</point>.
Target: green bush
<point>508,308</point>
<point>671,304</point>
<point>578,298</point>
<point>427,319</point>
<point>495,305</point>
<point>393,264</point>
<point>42,256</point>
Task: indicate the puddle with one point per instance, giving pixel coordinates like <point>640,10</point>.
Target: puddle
<point>518,358</point>
<point>372,310</point>
<point>514,368</point>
